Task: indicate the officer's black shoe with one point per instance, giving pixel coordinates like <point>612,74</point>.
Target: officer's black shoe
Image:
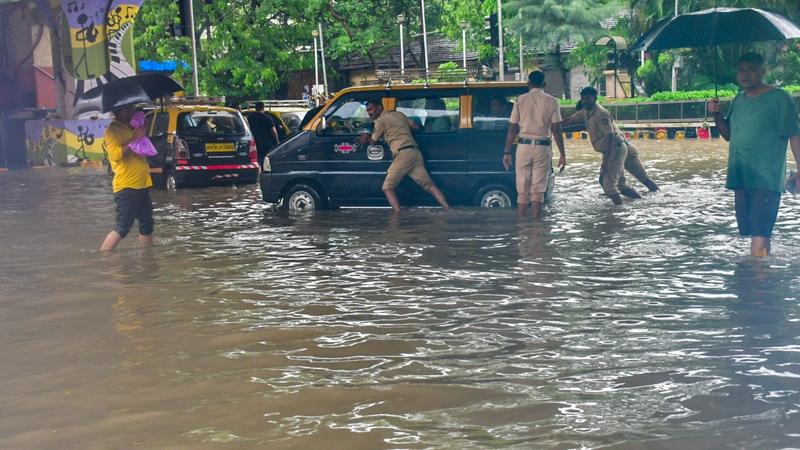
<point>651,185</point>
<point>616,199</point>
<point>628,192</point>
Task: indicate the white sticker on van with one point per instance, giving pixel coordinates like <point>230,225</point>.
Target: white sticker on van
<point>375,152</point>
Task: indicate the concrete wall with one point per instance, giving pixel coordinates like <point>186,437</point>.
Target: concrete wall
<point>26,74</point>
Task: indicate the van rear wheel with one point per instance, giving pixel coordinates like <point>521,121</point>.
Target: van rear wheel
<point>494,196</point>
<point>302,198</point>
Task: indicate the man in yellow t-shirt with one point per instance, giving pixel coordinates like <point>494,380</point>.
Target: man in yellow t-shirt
<point>131,183</point>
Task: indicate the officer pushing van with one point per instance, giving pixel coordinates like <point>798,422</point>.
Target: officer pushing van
<point>395,128</point>
<point>619,154</point>
<point>535,117</point>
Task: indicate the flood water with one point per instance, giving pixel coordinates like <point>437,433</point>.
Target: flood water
<point>635,327</point>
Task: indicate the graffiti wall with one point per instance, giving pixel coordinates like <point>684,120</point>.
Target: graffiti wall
<point>100,44</point>
<point>97,48</point>
<point>59,142</point>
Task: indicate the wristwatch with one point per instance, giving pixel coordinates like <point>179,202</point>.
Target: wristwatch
<point>506,152</point>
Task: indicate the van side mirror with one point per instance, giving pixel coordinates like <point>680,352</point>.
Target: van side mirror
<point>322,126</point>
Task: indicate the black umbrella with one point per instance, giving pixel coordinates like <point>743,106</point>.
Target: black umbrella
<point>124,91</point>
<point>717,26</point>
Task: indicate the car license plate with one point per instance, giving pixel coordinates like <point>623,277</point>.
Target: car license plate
<point>220,147</point>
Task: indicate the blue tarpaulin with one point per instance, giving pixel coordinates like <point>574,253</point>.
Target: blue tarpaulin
<point>161,66</point>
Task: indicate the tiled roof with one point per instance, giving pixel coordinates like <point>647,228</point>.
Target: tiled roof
<point>440,50</point>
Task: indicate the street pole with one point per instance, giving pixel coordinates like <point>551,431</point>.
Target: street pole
<point>521,61</point>
<point>500,39</point>
<point>401,18</point>
<point>314,34</point>
<point>464,25</point>
<point>194,50</point>
<point>425,39</point>
<point>674,84</point>
<point>322,55</point>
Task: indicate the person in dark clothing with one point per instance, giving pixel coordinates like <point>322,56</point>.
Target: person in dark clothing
<point>264,131</point>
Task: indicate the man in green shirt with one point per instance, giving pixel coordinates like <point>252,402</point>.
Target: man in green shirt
<point>760,122</point>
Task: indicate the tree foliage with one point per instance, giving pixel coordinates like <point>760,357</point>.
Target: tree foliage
<point>550,24</point>
<point>248,48</point>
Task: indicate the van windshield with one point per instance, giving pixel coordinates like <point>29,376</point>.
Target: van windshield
<point>216,123</point>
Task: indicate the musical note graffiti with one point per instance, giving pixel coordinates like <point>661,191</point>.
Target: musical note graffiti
<point>119,16</point>
<point>85,55</point>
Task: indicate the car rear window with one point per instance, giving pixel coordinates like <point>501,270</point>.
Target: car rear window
<point>206,123</point>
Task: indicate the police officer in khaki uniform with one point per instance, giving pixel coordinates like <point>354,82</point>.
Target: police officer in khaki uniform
<point>395,128</point>
<point>618,153</point>
<point>535,117</point>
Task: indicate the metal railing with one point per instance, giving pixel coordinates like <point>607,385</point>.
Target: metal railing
<point>279,103</point>
<point>662,112</point>
<point>422,76</point>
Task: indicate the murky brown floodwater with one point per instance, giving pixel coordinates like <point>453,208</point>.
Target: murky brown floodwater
<point>641,327</point>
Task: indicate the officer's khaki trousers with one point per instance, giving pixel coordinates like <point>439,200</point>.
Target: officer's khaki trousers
<point>532,167</point>
<point>622,156</point>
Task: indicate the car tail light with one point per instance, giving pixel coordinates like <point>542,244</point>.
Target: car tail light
<point>253,152</point>
<point>181,151</point>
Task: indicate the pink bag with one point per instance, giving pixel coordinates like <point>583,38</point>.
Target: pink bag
<point>141,146</point>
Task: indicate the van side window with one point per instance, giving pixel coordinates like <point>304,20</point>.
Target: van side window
<point>347,118</point>
<point>491,112</point>
<point>432,114</point>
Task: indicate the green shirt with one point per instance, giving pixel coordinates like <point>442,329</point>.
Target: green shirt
<point>760,131</point>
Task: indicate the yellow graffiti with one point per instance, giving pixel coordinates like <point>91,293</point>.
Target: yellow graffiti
<point>119,16</point>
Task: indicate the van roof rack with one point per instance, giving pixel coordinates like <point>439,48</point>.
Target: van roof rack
<point>428,77</point>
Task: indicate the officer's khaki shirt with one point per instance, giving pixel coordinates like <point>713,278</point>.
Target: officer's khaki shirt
<point>393,127</point>
<point>600,126</point>
<point>535,111</point>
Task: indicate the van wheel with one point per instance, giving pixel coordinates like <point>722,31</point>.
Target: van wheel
<point>494,196</point>
<point>302,198</point>
<point>170,182</point>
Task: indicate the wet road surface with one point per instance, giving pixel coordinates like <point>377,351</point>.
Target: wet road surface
<point>634,327</point>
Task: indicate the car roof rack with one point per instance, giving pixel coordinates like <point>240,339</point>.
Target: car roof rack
<point>199,101</point>
<point>279,103</point>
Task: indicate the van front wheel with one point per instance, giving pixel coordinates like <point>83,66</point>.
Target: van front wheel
<point>494,196</point>
<point>171,183</point>
<point>302,198</point>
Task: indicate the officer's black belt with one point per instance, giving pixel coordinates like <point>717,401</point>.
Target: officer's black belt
<point>407,147</point>
<point>527,141</point>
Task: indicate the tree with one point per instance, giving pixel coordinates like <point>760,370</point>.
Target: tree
<point>550,24</point>
<point>699,70</point>
<point>245,46</point>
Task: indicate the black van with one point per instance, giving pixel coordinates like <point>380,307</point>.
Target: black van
<point>461,133</point>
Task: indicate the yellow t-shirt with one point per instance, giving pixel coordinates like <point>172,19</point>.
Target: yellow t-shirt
<point>130,170</point>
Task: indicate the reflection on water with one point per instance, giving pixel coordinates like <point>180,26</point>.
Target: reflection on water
<point>634,327</point>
